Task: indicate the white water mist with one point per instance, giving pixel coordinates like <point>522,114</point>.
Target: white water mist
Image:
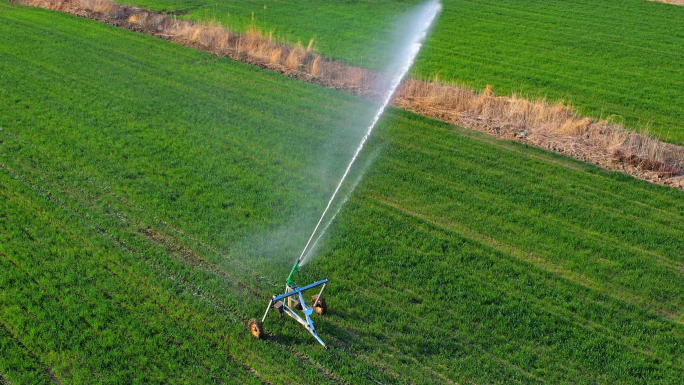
<point>413,37</point>
<point>312,248</point>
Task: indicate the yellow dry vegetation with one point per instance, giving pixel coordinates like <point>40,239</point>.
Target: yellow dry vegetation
<point>675,2</point>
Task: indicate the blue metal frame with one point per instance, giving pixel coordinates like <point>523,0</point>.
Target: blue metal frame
<point>291,290</point>
<point>296,290</point>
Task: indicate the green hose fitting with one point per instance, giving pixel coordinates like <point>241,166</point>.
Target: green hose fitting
<point>294,268</point>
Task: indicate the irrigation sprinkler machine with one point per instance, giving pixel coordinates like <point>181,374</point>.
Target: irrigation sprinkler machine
<point>291,302</point>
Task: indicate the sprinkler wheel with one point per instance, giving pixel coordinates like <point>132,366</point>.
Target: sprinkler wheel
<point>321,307</point>
<point>256,328</point>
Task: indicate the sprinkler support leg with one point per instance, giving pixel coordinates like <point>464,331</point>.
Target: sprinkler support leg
<point>320,295</point>
<point>267,309</point>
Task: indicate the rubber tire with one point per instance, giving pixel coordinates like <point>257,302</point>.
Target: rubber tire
<point>321,307</point>
<point>256,329</point>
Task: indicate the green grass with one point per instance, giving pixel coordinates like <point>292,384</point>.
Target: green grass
<point>146,190</point>
<point>617,59</point>
<point>352,31</point>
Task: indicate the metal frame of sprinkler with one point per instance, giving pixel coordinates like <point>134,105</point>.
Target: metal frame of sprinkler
<point>295,301</point>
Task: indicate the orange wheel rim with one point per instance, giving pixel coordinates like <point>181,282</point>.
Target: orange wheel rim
<point>255,331</point>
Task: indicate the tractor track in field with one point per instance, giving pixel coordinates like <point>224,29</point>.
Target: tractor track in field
<point>579,279</point>
<point>183,254</point>
<point>175,248</point>
<point>462,342</point>
<point>138,279</point>
<point>103,266</point>
<point>560,312</point>
<point>155,300</point>
<point>583,232</point>
<point>578,322</point>
<point>87,197</point>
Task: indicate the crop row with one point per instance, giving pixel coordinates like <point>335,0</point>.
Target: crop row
<point>154,197</point>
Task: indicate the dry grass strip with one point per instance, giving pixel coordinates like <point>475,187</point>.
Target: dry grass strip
<point>552,126</point>
<point>675,2</point>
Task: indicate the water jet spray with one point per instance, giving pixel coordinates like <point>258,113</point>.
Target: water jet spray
<point>418,28</point>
